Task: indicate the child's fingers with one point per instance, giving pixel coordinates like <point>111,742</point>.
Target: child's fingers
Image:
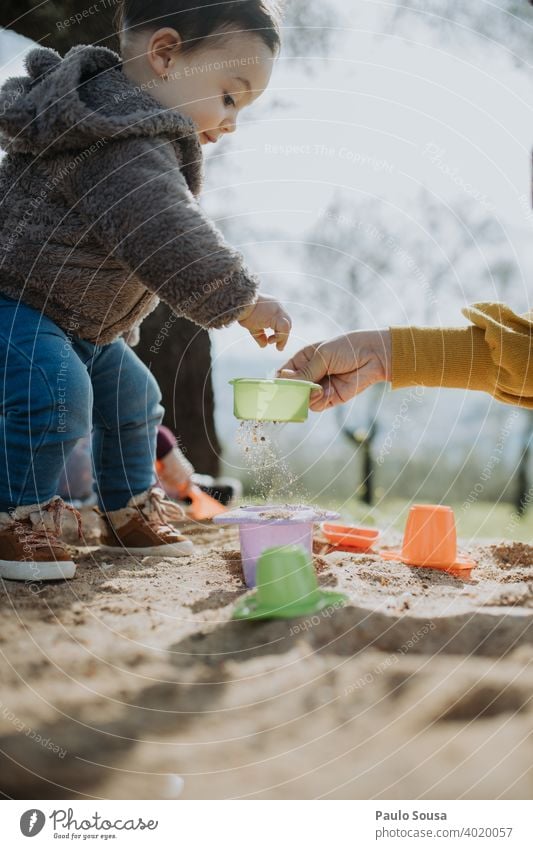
<point>279,340</point>
<point>260,337</point>
<point>280,343</point>
<point>281,325</point>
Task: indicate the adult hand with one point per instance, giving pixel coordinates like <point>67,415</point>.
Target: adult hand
<point>343,367</point>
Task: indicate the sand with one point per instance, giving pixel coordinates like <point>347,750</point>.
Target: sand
<point>131,681</point>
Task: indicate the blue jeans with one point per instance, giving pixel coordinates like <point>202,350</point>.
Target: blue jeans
<point>55,388</point>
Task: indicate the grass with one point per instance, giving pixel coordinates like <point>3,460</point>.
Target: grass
<point>482,520</point>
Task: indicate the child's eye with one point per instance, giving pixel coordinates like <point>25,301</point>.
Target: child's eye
<point>228,100</point>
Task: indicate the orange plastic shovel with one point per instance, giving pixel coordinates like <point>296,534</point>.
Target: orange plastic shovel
<point>203,506</point>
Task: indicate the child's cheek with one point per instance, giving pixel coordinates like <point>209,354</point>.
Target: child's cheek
<point>214,110</point>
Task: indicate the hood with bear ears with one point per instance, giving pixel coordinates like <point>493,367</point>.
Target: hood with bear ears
<point>69,104</point>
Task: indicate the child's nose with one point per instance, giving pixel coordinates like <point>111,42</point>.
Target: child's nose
<point>229,126</point>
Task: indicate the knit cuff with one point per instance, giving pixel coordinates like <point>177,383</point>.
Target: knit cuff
<point>450,357</point>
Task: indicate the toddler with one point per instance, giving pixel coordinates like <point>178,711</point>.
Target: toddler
<point>100,219</point>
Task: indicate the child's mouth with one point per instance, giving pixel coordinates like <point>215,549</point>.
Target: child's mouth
<point>205,138</point>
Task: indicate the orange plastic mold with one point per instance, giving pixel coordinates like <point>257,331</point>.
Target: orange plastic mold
<point>349,536</point>
<point>430,540</point>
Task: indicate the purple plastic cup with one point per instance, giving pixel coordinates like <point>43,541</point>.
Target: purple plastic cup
<point>274,525</point>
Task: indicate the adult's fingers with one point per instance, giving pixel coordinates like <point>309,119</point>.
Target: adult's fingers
<point>298,361</point>
<point>314,368</point>
<point>340,388</point>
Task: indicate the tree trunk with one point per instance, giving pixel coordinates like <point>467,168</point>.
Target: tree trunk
<point>523,495</point>
<point>181,363</point>
<point>62,24</point>
<point>183,366</point>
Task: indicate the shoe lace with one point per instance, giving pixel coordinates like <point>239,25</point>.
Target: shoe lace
<point>39,536</point>
<point>156,504</point>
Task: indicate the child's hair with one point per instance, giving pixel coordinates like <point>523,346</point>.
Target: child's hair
<point>197,20</point>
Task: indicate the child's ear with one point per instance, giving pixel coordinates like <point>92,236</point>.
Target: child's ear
<point>162,48</point>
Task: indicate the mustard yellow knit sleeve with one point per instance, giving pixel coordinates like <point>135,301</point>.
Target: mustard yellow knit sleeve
<point>494,354</point>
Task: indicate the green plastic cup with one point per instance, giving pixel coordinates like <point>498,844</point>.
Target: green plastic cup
<point>276,400</point>
<point>286,587</point>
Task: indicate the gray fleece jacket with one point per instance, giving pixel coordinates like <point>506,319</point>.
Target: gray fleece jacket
<point>99,217</point>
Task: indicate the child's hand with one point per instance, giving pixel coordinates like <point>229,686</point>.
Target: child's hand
<point>344,366</point>
<point>267,313</point>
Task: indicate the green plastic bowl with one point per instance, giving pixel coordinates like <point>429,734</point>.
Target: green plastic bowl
<point>276,400</point>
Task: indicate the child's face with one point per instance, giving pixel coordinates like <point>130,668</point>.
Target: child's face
<point>212,84</point>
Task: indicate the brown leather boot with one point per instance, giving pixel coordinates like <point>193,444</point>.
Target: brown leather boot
<point>142,527</point>
<point>30,548</point>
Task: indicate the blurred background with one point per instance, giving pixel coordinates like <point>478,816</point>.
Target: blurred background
<point>383,178</point>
